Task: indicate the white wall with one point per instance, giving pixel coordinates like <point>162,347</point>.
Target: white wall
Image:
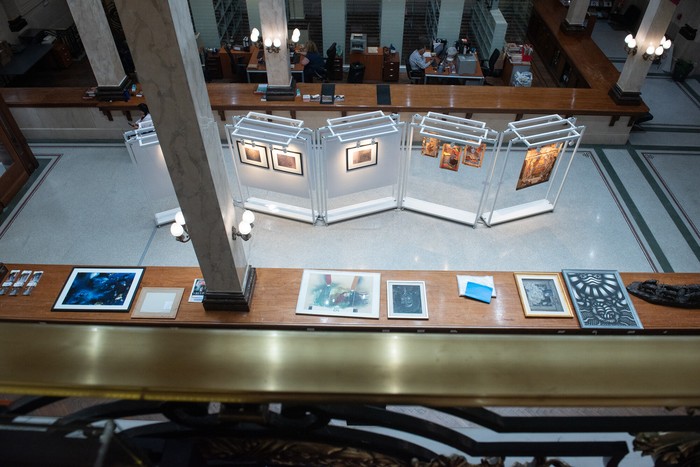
<point>393,13</point>
<point>333,17</point>
<point>450,20</point>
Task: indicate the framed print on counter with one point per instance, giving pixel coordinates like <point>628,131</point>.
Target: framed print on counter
<point>99,289</point>
<point>543,295</point>
<point>600,299</point>
<point>406,299</point>
<point>287,161</point>
<point>252,154</point>
<point>158,302</point>
<point>339,293</point>
<point>361,156</point>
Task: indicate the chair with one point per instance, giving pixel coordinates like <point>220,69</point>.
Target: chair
<point>414,76</point>
<point>330,59</point>
<point>492,76</point>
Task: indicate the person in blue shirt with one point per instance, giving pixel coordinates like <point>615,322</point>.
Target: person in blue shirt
<point>312,59</point>
<point>417,60</point>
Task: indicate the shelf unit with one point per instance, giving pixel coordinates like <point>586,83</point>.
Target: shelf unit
<point>601,8</point>
<point>228,18</point>
<point>489,27</point>
<point>432,16</point>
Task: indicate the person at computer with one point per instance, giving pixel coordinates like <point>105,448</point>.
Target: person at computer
<point>312,61</point>
<point>417,60</point>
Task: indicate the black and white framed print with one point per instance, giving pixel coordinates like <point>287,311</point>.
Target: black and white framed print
<point>600,299</point>
<point>287,161</point>
<point>361,156</point>
<point>406,299</point>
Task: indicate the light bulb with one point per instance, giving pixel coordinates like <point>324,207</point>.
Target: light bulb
<point>632,44</point>
<point>659,50</point>
<point>176,230</point>
<point>248,217</point>
<point>295,35</point>
<point>244,228</point>
<point>277,42</point>
<point>663,39</point>
<point>629,39</point>
<point>268,42</point>
<point>667,44</point>
<point>255,35</point>
<point>179,218</point>
<point>650,50</point>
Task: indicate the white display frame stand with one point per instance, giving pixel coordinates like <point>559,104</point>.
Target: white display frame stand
<point>145,153</point>
<point>533,133</point>
<point>363,129</point>
<point>275,134</point>
<point>455,130</point>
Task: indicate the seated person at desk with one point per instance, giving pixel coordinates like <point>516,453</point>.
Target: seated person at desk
<point>313,62</point>
<point>417,60</point>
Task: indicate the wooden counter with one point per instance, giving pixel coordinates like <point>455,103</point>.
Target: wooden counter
<point>276,293</point>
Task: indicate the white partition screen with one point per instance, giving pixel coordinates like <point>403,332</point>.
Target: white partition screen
<point>273,165</point>
<point>447,176</point>
<point>532,172</point>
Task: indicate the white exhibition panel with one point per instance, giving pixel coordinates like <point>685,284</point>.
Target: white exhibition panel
<point>341,181</point>
<point>268,178</point>
<point>148,158</point>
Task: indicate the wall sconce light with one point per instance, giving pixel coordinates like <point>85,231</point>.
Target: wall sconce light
<point>244,227</point>
<point>296,35</point>
<point>630,45</point>
<point>271,45</point>
<point>652,53</point>
<point>178,229</point>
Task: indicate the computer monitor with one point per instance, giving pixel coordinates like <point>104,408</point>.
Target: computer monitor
<point>440,48</point>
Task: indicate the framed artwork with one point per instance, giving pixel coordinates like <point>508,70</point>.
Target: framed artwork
<point>339,293</point>
<point>99,289</point>
<point>538,165</point>
<point>451,154</point>
<point>474,156</point>
<point>287,161</point>
<point>430,146</point>
<point>361,156</point>
<point>600,299</point>
<point>252,155</point>
<point>406,299</point>
<point>543,295</point>
<point>158,302</point>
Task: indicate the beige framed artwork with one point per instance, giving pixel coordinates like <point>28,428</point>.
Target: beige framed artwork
<point>158,302</point>
<point>543,295</point>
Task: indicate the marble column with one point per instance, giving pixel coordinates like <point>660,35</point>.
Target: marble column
<point>273,24</point>
<point>651,30</point>
<point>575,20</point>
<point>91,21</point>
<point>165,52</point>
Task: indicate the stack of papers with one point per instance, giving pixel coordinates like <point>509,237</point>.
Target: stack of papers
<point>477,287</point>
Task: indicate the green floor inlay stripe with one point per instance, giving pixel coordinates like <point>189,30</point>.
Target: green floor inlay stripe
<point>666,203</point>
<point>634,211</point>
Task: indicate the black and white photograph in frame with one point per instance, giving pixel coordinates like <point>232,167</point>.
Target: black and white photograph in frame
<point>600,299</point>
<point>287,161</point>
<point>406,299</point>
<point>99,289</point>
<point>252,154</point>
<point>543,295</point>
<point>361,156</point>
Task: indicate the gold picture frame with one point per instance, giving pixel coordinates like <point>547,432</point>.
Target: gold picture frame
<point>450,156</point>
<point>430,146</point>
<point>158,302</point>
<point>543,295</point>
<point>538,165</point>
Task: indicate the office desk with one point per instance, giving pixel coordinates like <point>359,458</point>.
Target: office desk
<point>21,62</point>
<point>255,69</point>
<point>472,79</point>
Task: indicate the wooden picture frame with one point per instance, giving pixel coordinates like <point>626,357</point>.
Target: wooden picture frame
<point>361,156</point>
<point>158,302</point>
<point>252,154</point>
<point>543,295</point>
<point>406,300</point>
<point>287,161</point>
<point>474,156</point>
<point>99,289</point>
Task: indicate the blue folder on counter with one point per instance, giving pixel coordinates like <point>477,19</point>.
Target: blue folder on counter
<point>478,292</point>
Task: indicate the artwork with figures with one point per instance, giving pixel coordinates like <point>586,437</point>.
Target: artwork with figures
<point>601,300</point>
<point>543,295</point>
<point>252,155</point>
<point>339,293</point>
<point>430,146</point>
<point>474,156</point>
<point>451,155</point>
<point>406,300</point>
<point>361,156</point>
<point>538,165</point>
<point>287,161</point>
